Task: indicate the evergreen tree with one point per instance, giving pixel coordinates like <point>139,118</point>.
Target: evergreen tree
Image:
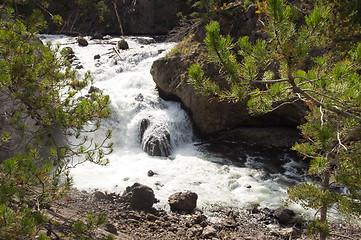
<point>332,90</point>
<point>42,93</point>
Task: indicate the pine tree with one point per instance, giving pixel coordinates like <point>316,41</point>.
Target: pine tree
<point>40,88</point>
<point>331,90</point>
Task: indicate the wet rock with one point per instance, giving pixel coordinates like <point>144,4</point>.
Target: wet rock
<point>284,215</point>
<point>158,144</point>
<point>209,232</point>
<point>82,41</point>
<point>151,173</point>
<point>183,202</point>
<point>97,57</point>
<point>97,35</point>
<point>122,45</point>
<point>93,89</point>
<point>139,98</point>
<point>79,66</point>
<point>144,124</point>
<point>145,41</point>
<point>141,197</point>
<point>111,228</point>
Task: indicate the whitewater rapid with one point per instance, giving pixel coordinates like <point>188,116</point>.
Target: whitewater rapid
<point>218,181</point>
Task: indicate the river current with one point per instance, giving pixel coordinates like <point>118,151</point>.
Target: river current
<point>219,180</point>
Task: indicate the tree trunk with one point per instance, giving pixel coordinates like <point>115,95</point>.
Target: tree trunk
<point>118,17</point>
<point>323,211</point>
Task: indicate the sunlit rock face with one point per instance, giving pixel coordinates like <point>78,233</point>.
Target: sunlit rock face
<point>210,115</point>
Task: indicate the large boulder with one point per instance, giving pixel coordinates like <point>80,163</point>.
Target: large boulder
<point>183,202</point>
<point>158,144</point>
<point>210,115</point>
<point>155,140</point>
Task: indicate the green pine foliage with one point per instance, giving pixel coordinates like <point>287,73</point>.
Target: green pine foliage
<point>44,94</point>
<point>331,90</point>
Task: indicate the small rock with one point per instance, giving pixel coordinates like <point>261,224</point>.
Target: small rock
<point>111,228</point>
<point>139,98</point>
<point>151,173</point>
<point>122,45</point>
<point>97,57</point>
<point>79,67</point>
<point>82,41</point>
<point>93,89</point>
<point>209,232</point>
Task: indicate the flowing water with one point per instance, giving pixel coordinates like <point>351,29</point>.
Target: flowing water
<point>219,179</point>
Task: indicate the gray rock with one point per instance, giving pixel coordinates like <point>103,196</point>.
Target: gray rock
<point>183,202</point>
<point>97,57</point>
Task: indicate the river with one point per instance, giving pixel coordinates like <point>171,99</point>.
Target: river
<point>218,179</point>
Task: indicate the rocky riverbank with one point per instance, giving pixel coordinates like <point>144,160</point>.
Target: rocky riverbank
<point>125,221</point>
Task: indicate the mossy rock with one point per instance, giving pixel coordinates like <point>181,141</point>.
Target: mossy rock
<point>122,45</point>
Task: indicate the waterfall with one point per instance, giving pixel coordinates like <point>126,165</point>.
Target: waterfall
<point>142,120</point>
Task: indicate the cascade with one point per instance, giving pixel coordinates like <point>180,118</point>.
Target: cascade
<point>142,120</point>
